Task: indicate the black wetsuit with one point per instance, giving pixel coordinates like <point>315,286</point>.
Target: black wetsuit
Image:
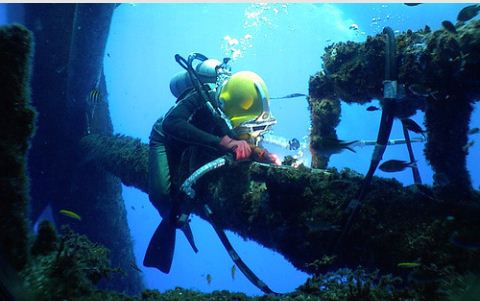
<point>190,123</point>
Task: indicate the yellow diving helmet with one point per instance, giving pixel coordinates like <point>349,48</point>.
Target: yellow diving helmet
<point>244,99</point>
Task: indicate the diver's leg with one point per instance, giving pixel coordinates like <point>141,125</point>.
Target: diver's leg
<point>159,178</point>
<point>161,247</point>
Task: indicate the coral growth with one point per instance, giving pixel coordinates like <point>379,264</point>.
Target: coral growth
<point>66,267</point>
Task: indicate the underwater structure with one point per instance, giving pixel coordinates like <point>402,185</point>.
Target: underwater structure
<point>437,73</point>
<point>67,65</point>
<point>17,127</point>
<point>301,212</point>
<point>77,164</point>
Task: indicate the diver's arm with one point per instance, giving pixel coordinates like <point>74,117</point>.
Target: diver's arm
<point>176,123</point>
<point>223,129</point>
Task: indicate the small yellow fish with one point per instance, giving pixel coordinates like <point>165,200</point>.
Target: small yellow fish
<point>209,279</point>
<point>233,271</point>
<point>408,265</point>
<point>70,214</point>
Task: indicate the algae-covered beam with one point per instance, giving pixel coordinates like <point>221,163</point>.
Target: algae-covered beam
<point>437,73</point>
<point>300,212</point>
<point>17,124</point>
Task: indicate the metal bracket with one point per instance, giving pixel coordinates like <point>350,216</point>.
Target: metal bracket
<point>390,89</point>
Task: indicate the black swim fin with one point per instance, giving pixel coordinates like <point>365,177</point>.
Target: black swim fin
<point>161,247</point>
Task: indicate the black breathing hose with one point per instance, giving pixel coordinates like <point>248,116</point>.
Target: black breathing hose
<point>388,114</point>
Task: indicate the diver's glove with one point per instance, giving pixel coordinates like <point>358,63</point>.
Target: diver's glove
<point>263,156</point>
<point>240,148</point>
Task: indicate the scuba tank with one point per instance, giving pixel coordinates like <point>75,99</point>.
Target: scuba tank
<point>206,72</point>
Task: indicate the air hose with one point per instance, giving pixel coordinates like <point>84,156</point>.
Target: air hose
<point>187,188</point>
<point>188,65</point>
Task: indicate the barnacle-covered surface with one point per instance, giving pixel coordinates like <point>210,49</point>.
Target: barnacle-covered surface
<point>444,65</point>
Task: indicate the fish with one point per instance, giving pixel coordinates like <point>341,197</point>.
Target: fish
<point>468,12</point>
<point>449,26</point>
<point>411,125</point>
<point>133,207</point>
<point>233,271</point>
<point>70,213</point>
<point>293,144</point>
<point>134,266</point>
<point>293,95</point>
<point>331,146</point>
<point>412,4</point>
<point>408,265</point>
<point>419,90</point>
<point>209,279</point>
<point>94,98</point>
<point>353,26</point>
<point>467,146</point>
<point>474,131</point>
<point>373,108</point>
<point>395,165</point>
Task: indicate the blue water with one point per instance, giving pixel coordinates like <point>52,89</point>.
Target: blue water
<point>283,44</point>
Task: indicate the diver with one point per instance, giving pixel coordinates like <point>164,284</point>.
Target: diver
<point>216,113</point>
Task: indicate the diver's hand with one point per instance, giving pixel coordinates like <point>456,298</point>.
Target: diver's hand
<point>240,148</point>
<point>263,156</point>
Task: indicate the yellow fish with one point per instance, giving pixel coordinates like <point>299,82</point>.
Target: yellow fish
<point>209,279</point>
<point>233,271</point>
<point>70,214</point>
<point>408,265</point>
